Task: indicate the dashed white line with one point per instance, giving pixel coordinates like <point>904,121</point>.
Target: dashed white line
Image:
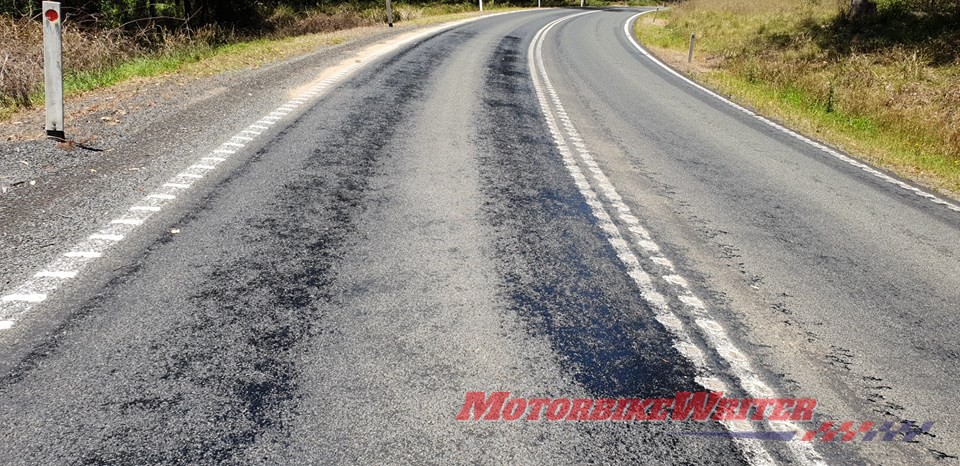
<point>106,237</point>
<point>54,274</point>
<point>127,221</point>
<point>41,281</point>
<point>27,297</point>
<point>83,254</point>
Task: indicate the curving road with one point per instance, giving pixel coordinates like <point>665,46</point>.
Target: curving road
<point>522,203</point>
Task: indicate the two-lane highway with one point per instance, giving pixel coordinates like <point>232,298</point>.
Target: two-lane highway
<point>523,203</point>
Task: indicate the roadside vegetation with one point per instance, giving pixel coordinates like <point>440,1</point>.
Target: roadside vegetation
<point>110,41</point>
<point>883,84</point>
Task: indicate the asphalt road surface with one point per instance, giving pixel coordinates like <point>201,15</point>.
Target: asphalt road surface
<point>512,204</point>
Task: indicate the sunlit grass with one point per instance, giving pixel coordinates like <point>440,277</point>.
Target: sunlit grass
<point>893,107</point>
<point>201,59</point>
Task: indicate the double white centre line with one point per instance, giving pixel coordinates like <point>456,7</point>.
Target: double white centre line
<point>666,293</point>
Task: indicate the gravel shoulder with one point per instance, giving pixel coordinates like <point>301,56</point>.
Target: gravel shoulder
<point>52,194</point>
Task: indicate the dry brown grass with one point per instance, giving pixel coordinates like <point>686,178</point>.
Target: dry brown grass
<point>285,22</point>
<point>96,57</point>
<point>21,55</point>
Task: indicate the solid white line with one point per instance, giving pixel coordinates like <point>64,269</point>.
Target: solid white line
<point>190,175</point>
<point>843,157</point>
<point>50,274</point>
<point>203,167</point>
<point>162,196</point>
<point>6,324</point>
<point>176,185</point>
<point>224,151</point>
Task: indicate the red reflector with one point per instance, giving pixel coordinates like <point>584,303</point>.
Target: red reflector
<point>51,15</point>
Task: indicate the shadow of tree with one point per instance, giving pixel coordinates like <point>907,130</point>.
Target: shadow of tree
<point>931,26</point>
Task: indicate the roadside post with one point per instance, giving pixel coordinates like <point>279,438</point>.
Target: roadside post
<point>693,39</point>
<point>481,5</point>
<point>389,14</point>
<point>53,68</point>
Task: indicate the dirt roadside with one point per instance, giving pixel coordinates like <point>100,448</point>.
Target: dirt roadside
<point>128,138</point>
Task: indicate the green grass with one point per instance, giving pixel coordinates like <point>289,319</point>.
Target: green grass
<point>77,83</point>
<point>209,60</point>
<point>890,106</point>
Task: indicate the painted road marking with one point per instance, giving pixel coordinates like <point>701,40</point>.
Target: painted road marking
<point>26,297</point>
<point>15,304</point>
<point>646,281</point>
<point>106,237</point>
<point>834,153</point>
<point>51,274</point>
<point>127,221</point>
<point>84,254</point>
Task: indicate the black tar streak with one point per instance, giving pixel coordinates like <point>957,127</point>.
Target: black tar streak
<point>564,278</point>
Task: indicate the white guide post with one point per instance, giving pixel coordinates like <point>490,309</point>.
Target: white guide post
<point>53,68</point>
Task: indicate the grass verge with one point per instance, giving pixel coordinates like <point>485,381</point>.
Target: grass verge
<point>97,64</point>
<point>892,100</point>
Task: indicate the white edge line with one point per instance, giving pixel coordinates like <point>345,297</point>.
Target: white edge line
<point>753,451</point>
<point>263,124</point>
<point>84,254</point>
<point>56,274</point>
<point>25,297</point>
<point>815,144</point>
